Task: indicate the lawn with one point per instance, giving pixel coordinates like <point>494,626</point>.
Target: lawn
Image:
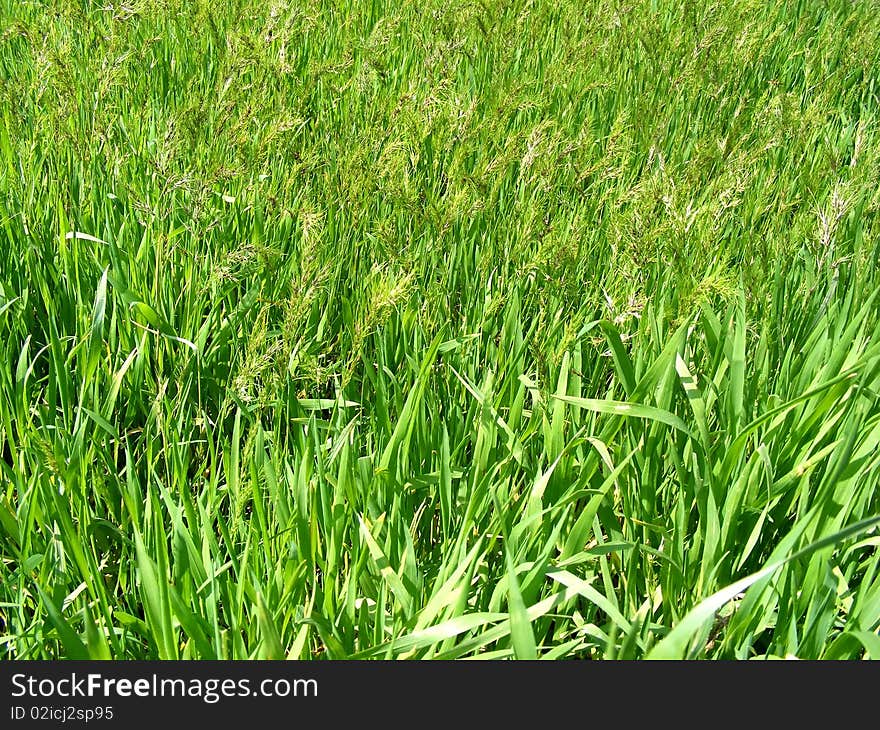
<point>439,329</point>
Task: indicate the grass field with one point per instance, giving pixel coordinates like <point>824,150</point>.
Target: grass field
<point>439,329</point>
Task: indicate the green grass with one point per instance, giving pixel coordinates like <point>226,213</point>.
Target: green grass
<point>439,329</point>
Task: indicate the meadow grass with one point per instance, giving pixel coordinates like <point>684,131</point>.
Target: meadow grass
<point>439,329</point>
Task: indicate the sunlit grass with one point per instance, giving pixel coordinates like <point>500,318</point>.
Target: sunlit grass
<point>439,329</point>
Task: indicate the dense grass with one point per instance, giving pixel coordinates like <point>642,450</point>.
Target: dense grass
<point>439,329</point>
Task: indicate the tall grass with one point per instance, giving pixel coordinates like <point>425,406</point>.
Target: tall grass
<point>439,329</point>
